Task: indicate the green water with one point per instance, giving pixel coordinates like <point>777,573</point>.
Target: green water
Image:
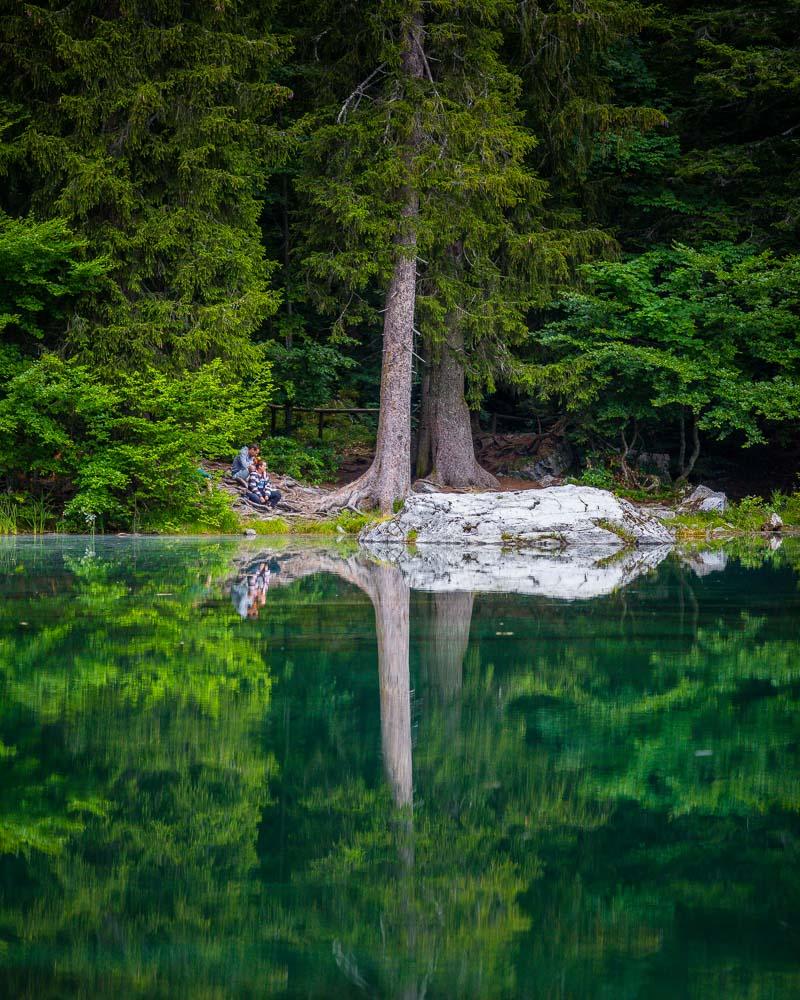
<point>318,782</point>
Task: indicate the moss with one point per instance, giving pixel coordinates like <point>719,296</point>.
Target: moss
<point>616,529</point>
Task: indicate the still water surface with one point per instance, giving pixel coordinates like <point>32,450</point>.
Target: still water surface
<point>237,770</point>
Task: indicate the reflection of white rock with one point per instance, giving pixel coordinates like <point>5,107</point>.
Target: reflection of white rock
<point>570,575</point>
<point>703,563</point>
<point>552,518</point>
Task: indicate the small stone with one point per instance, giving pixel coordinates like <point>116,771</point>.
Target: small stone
<point>425,486</point>
<point>550,463</point>
<point>773,523</point>
<point>249,532</point>
<point>704,499</point>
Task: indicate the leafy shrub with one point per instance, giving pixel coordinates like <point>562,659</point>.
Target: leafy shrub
<point>128,451</point>
<point>597,476</point>
<point>312,463</point>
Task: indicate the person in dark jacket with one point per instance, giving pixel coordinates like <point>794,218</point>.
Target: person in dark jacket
<point>245,458</point>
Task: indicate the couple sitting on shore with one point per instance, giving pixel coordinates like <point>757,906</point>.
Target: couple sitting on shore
<point>249,468</point>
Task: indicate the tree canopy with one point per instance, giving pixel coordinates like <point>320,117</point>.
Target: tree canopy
<point>581,211</point>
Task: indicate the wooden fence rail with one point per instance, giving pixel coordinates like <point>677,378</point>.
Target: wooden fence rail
<point>321,411</point>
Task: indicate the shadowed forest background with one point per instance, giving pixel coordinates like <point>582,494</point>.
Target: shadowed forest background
<point>582,214</point>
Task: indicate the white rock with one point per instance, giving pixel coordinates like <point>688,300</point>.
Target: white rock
<point>552,518</point>
<point>774,522</point>
<point>249,533</point>
<point>571,575</point>
<point>704,499</point>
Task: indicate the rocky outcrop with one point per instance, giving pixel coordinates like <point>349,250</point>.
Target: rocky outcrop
<point>552,461</point>
<point>571,575</point>
<point>704,499</point>
<point>554,518</point>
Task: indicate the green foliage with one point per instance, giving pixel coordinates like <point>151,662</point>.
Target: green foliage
<point>598,476</point>
<point>308,373</point>
<point>128,452</point>
<point>346,523</point>
<point>748,515</point>
<point>313,462</point>
<point>154,169</point>
<point>151,131</point>
<point>711,332</point>
<point>42,273</point>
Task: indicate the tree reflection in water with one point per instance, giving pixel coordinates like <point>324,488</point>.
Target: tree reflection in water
<point>591,798</point>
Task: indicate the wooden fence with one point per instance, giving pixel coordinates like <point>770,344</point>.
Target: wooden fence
<point>322,412</point>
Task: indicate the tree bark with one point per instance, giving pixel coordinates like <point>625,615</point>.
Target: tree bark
<point>445,424</point>
<point>389,477</point>
<point>687,470</point>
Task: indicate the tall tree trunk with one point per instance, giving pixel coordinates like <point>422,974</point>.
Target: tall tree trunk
<point>389,477</point>
<point>445,421</point>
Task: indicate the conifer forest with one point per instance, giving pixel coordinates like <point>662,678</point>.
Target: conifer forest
<point>458,220</point>
<point>399,499</point>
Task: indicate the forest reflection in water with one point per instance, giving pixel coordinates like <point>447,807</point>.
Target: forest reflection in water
<point>364,787</point>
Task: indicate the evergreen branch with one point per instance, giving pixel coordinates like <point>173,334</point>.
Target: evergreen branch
<point>358,93</point>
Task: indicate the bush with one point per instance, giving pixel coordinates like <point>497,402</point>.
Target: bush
<point>312,463</point>
<point>598,476</point>
<point>128,451</point>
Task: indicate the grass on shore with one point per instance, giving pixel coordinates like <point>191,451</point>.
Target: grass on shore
<point>747,517</point>
<point>347,523</point>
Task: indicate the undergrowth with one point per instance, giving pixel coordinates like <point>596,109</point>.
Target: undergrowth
<point>747,516</point>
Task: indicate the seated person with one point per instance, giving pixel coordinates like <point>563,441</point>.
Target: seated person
<point>246,456</point>
<point>259,487</point>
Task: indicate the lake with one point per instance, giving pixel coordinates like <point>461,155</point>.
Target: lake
<point>273,768</point>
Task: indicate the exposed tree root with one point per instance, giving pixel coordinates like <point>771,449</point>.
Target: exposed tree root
<point>368,492</point>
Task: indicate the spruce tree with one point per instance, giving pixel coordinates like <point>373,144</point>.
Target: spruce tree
<point>409,175</point>
<point>149,126</point>
<point>492,240</point>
